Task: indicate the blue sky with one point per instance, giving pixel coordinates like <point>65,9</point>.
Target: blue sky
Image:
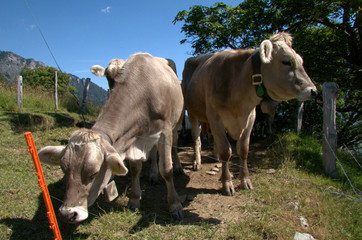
<point>82,33</point>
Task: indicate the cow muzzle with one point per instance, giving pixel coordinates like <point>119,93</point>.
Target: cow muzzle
<point>308,94</point>
<point>73,214</point>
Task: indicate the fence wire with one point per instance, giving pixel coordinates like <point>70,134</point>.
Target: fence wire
<point>349,151</point>
<point>340,164</point>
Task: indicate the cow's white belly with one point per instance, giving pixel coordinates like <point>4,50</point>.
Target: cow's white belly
<point>143,145</point>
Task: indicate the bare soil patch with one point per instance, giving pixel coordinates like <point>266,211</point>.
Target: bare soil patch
<point>200,191</point>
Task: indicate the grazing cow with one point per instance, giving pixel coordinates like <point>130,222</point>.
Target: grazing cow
<point>224,88</point>
<point>144,109</point>
<point>113,66</point>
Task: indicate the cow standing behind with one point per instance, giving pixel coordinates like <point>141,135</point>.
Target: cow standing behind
<point>219,89</point>
<point>144,109</point>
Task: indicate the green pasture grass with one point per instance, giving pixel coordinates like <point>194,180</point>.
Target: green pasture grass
<point>263,213</point>
<point>36,100</point>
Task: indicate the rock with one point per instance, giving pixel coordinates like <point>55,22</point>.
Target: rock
<point>211,172</point>
<point>215,169</point>
<point>294,205</point>
<point>219,165</point>
<point>303,236</point>
<point>303,222</point>
<point>271,171</point>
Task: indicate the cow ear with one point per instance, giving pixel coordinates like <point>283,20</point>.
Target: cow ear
<point>98,70</point>
<point>51,154</point>
<point>116,164</point>
<point>266,49</point>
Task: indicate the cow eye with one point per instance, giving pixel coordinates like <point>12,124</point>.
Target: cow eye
<point>287,63</point>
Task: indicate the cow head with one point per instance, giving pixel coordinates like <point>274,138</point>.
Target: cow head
<point>88,162</point>
<point>283,72</point>
<point>112,72</point>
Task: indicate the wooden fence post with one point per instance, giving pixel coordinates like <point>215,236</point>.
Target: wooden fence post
<point>329,145</point>
<point>56,91</point>
<point>20,91</point>
<point>85,94</point>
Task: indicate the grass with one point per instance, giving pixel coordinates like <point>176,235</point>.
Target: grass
<point>267,212</point>
<point>37,101</point>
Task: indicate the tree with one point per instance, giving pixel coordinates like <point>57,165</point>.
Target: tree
<point>43,77</point>
<point>2,79</point>
<point>326,33</point>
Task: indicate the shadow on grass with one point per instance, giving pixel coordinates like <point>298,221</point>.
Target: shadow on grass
<point>154,210</point>
<point>154,206</point>
<point>310,161</point>
<point>38,227</point>
<point>21,122</point>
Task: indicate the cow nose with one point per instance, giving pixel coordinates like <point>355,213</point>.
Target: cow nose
<point>73,214</point>
<point>67,215</point>
<point>313,93</point>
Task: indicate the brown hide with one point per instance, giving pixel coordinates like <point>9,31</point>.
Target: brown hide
<point>218,89</point>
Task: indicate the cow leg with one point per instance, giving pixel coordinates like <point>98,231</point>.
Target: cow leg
<point>177,167</point>
<point>153,177</point>
<point>135,195</point>
<point>166,171</point>
<point>195,132</point>
<point>223,149</point>
<point>243,151</point>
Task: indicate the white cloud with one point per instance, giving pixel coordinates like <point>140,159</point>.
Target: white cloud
<point>106,10</point>
<point>30,27</point>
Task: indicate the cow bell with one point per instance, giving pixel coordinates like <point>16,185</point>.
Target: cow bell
<point>110,191</point>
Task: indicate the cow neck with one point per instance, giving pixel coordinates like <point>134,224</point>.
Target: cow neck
<point>104,135</point>
<point>257,77</point>
<point>120,132</point>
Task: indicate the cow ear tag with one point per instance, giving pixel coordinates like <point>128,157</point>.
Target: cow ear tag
<point>110,192</point>
<point>260,91</point>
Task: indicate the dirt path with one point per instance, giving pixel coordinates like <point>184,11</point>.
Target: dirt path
<point>199,191</point>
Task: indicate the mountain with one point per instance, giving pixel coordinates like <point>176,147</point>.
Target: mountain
<point>96,94</point>
<point>12,65</point>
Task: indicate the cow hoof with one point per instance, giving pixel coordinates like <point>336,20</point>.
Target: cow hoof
<point>196,167</point>
<point>178,216</point>
<point>133,204</point>
<point>132,209</point>
<point>246,184</point>
<point>229,189</point>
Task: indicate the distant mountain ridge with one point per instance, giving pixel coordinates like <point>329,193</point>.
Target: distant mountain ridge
<point>11,65</point>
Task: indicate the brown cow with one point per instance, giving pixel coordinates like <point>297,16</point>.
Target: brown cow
<point>144,109</point>
<point>224,88</point>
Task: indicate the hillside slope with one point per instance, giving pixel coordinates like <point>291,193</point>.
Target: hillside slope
<point>11,65</point>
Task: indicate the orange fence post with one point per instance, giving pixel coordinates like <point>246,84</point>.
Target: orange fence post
<point>43,186</point>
